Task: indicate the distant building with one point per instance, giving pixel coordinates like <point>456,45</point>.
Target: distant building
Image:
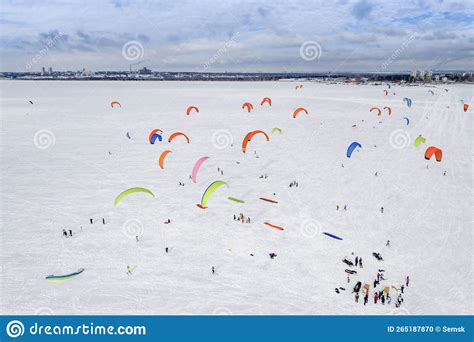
<point>144,71</point>
<point>43,71</point>
<point>50,70</point>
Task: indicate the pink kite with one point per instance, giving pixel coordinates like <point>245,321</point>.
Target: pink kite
<point>197,166</point>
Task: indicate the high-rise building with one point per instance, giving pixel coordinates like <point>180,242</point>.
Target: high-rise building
<point>43,71</point>
<point>50,70</point>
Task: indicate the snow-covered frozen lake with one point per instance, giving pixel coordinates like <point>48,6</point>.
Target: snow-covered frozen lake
<point>66,157</point>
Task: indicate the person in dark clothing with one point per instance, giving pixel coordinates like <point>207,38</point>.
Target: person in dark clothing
<point>381,210</point>
<point>337,290</point>
<point>213,270</point>
<point>357,261</point>
<point>376,298</point>
<point>360,262</point>
<point>407,280</point>
<point>357,297</point>
<point>375,283</point>
<point>90,220</point>
<point>402,288</point>
<point>64,233</point>
<point>103,221</point>
<point>70,232</point>
<point>345,206</point>
<point>366,299</point>
<point>382,299</point>
<point>272,255</point>
<point>166,249</point>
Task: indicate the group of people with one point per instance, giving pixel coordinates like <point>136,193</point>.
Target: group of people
<point>293,184</point>
<point>241,218</point>
<point>380,295</point>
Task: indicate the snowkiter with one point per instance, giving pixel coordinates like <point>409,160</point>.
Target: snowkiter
<point>70,232</point>
<point>408,280</point>
<point>64,233</point>
<point>357,261</point>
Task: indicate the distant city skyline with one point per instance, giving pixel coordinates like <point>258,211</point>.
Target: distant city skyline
<point>237,36</point>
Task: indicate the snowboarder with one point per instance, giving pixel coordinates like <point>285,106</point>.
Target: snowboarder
<point>388,243</point>
<point>213,270</point>
<point>408,280</point>
<point>357,261</point>
<point>64,233</point>
<point>70,232</point>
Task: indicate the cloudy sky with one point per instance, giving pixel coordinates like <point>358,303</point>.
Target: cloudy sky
<point>251,36</point>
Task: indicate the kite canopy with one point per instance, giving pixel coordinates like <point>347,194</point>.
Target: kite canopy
<point>247,105</point>
<point>177,134</point>
<point>433,150</point>
<point>466,107</point>
<point>276,129</point>
<point>298,110</point>
<point>66,276</point>
<point>407,101</point>
<point>209,191</point>
<point>333,236</point>
<point>155,134</point>
<point>162,158</point>
<point>131,191</point>
<point>267,100</point>
<point>351,148</point>
<point>196,168</point>
<point>408,120</point>
<point>379,112</point>
<point>249,136</point>
<point>190,108</point>
<point>388,109</point>
<point>115,103</point>
<point>419,140</point>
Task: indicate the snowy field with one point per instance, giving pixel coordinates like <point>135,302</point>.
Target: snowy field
<point>66,157</point>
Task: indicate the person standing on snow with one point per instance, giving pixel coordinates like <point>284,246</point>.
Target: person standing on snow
<point>381,210</point>
<point>388,243</point>
<point>129,270</point>
<point>366,299</point>
<point>90,220</point>
<point>376,298</point>
<point>70,232</point>
<point>408,280</point>
<point>213,270</point>
<point>357,261</point>
<point>360,262</point>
